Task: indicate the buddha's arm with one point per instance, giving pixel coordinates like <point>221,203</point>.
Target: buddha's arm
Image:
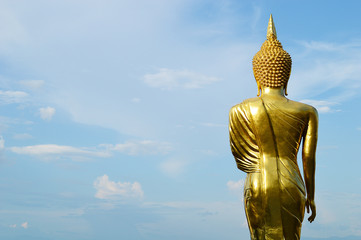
<point>309,160</point>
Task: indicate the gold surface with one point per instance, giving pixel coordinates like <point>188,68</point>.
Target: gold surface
<point>272,64</point>
<point>265,135</point>
<point>271,30</point>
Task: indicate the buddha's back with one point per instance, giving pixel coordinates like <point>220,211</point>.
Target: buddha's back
<point>265,136</point>
<point>278,126</point>
<point>289,120</point>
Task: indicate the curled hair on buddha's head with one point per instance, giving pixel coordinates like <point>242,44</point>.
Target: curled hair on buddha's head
<point>272,64</point>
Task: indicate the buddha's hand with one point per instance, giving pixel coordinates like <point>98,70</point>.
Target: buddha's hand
<point>311,204</point>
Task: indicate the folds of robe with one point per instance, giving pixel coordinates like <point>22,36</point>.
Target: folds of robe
<point>264,141</point>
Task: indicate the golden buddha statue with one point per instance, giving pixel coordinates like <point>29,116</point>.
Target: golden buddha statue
<point>265,135</point>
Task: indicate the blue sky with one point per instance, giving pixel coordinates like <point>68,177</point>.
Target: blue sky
<point>114,114</point>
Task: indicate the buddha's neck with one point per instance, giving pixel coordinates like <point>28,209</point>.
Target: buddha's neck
<point>267,91</point>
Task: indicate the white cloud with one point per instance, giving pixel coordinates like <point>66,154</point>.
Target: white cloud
<point>236,187</point>
<point>110,190</point>
<point>25,225</point>
<point>136,100</point>
<point>209,152</point>
<point>321,106</point>
<point>214,125</point>
<point>6,122</point>
<point>49,151</point>
<point>12,226</point>
<point>170,79</point>
<point>8,97</point>
<point>325,66</point>
<point>47,113</point>
<point>322,46</point>
<point>22,136</point>
<point>12,28</point>
<point>32,84</point>
<point>58,150</point>
<point>330,46</point>
<point>173,167</point>
<point>2,143</point>
<point>142,147</point>
<point>9,121</point>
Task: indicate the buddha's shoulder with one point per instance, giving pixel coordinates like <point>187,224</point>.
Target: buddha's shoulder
<point>245,103</point>
<point>303,107</point>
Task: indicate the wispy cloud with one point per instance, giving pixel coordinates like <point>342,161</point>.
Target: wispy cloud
<point>173,167</point>
<point>12,28</point>
<point>8,97</point>
<point>48,150</point>
<point>329,46</point>
<point>207,124</point>
<point>47,113</point>
<point>2,143</point>
<point>111,190</point>
<point>236,186</point>
<point>32,84</point>
<point>6,122</point>
<point>170,79</point>
<point>22,136</point>
<point>327,66</point>
<point>54,151</point>
<point>321,46</point>
<point>145,147</point>
<point>25,225</point>
<point>136,100</point>
<point>321,106</point>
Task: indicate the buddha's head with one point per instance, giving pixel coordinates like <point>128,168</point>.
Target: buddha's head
<point>272,64</point>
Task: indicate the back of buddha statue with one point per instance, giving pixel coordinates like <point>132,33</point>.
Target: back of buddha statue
<point>288,120</point>
<point>265,135</point>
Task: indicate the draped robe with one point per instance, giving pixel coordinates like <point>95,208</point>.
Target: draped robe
<point>265,140</point>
